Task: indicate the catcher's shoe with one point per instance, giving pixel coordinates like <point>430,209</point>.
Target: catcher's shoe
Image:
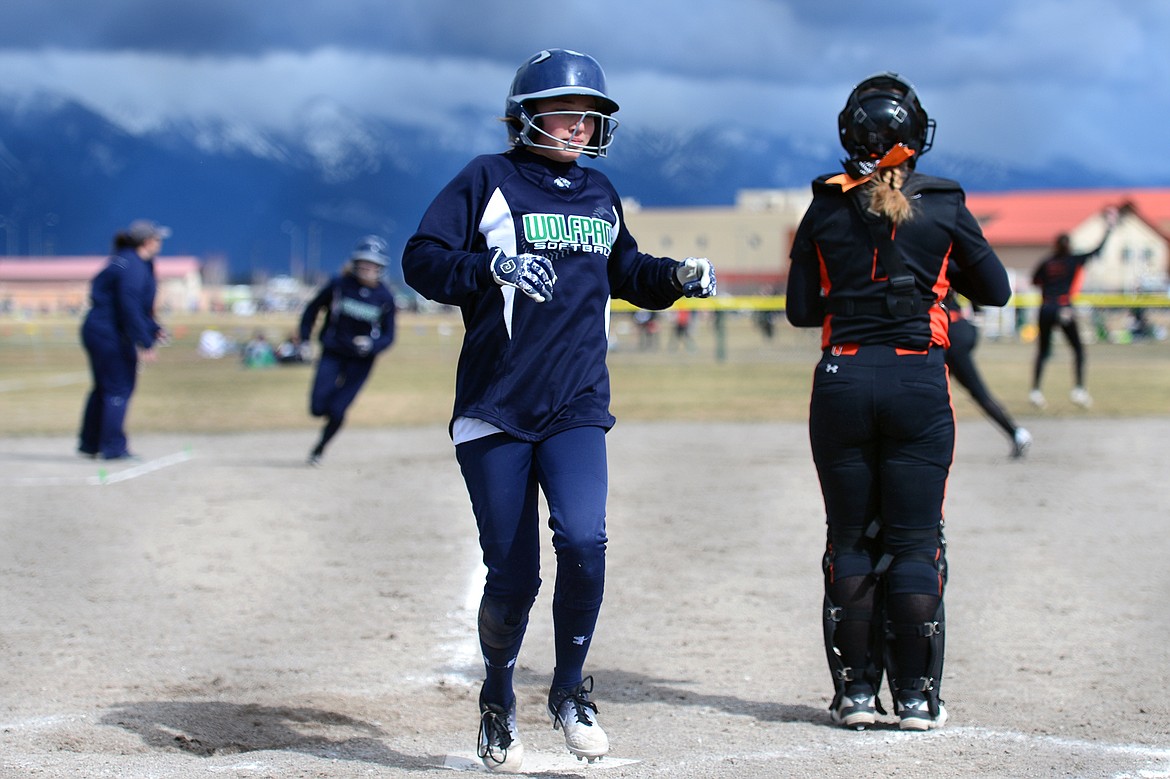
<point>913,711</point>
<point>499,744</point>
<point>572,712</point>
<point>855,710</point>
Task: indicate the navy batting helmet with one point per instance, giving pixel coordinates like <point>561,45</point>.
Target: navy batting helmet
<point>554,73</point>
<point>371,248</point>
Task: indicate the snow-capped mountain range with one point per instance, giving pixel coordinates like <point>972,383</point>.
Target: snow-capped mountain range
<point>296,201</point>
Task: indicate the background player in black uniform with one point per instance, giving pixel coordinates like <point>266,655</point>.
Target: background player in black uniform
<point>1059,278</point>
<point>359,325</point>
<point>964,337</point>
<point>531,247</point>
<point>869,263</point>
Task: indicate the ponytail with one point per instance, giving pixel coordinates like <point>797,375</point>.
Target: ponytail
<point>886,197</point>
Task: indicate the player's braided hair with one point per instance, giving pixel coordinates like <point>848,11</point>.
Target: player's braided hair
<point>886,196</point>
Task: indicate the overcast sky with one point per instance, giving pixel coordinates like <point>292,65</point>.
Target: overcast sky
<point>1018,81</point>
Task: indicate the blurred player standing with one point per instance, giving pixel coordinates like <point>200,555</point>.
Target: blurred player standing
<point>869,264</point>
<point>119,331</point>
<point>531,247</point>
<point>1059,278</point>
<point>359,325</point>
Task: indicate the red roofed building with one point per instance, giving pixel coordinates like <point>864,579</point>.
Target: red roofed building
<point>50,284</point>
<point>1022,227</point>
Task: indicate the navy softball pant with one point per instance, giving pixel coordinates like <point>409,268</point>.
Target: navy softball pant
<point>339,379</point>
<point>883,434</point>
<point>504,476</point>
<point>114,365</point>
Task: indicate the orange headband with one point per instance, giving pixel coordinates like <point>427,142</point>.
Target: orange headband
<point>893,158</point>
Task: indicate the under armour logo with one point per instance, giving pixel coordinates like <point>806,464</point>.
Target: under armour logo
<point>831,368</point>
<point>562,182</point>
<point>580,640</point>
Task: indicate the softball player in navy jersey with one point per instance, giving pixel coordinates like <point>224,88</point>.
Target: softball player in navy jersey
<point>869,264</point>
<point>359,325</point>
<point>531,247</point>
<point>120,331</point>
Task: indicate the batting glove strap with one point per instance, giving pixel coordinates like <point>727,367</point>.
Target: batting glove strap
<point>530,273</point>
<point>695,276</point>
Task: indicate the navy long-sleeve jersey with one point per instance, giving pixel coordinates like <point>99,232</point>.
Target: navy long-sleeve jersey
<point>351,309</point>
<point>533,369</point>
<point>122,301</point>
<point>835,261</point>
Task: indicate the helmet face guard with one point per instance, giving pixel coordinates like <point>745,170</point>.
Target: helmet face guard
<point>534,135</point>
<point>881,112</point>
<point>558,73</point>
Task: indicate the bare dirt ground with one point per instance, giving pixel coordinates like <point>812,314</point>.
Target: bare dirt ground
<point>219,609</point>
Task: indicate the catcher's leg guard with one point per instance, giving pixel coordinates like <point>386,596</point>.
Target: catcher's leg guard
<point>930,683</point>
<point>918,621</point>
<point>870,672</point>
<point>860,661</point>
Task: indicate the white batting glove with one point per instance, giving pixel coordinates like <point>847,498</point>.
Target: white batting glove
<point>530,273</point>
<point>696,277</point>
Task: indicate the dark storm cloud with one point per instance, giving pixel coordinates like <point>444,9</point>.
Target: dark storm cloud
<point>1021,80</point>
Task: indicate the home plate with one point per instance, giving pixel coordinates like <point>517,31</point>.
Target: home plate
<point>537,762</point>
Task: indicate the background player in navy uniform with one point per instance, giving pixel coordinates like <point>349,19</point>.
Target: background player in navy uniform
<point>359,325</point>
<point>1059,278</point>
<point>964,337</point>
<point>531,247</point>
<point>118,331</point>
<point>870,261</point>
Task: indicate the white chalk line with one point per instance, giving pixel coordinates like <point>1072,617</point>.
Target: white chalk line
<point>103,476</point>
<point>538,763</point>
<point>461,650</point>
<point>1158,758</point>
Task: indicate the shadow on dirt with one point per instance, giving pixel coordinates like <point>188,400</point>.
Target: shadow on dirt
<point>209,728</point>
<point>633,688</point>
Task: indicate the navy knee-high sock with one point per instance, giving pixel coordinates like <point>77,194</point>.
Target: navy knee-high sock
<point>574,634</point>
<point>576,605</point>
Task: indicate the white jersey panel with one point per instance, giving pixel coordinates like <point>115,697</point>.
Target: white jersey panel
<point>498,228</point>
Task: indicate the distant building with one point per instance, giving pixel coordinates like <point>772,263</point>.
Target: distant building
<point>748,242</point>
<point>1022,227</point>
<point>61,284</point>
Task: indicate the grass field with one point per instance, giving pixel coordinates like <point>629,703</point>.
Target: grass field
<point>740,376</point>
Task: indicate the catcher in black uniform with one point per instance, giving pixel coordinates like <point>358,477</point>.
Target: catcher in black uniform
<point>870,264</point>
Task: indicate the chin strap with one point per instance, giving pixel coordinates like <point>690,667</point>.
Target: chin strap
<point>858,172</point>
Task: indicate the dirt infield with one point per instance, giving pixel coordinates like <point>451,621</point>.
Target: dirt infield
<point>219,609</point>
